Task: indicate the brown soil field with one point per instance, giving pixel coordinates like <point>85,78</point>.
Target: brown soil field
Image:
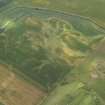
<point>15,91</point>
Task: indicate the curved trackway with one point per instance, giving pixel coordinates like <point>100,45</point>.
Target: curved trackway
<point>16,12</point>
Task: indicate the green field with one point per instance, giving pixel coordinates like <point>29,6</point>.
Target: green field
<point>1,103</point>
<point>75,94</point>
<point>89,8</point>
<point>57,47</point>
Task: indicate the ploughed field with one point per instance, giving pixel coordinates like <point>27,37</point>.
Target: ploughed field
<point>15,90</point>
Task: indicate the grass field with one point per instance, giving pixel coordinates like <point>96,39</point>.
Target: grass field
<point>89,8</point>
<point>37,46</point>
<point>85,85</point>
<point>73,94</point>
<point>26,49</point>
<point>61,53</point>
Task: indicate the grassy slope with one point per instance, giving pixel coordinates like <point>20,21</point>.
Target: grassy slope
<point>53,28</point>
<point>89,8</point>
